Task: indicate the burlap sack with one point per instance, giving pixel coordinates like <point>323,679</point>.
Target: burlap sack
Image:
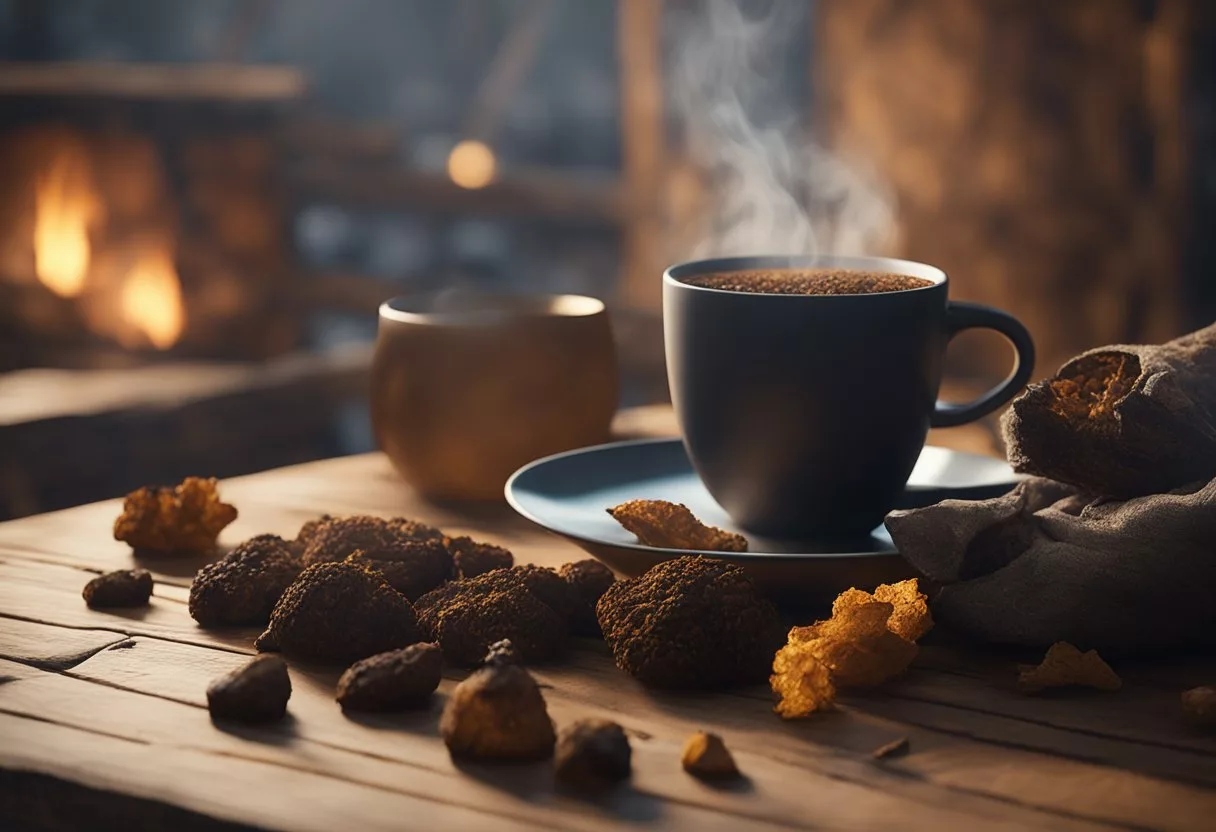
<point>1045,564</point>
<point>1122,421</point>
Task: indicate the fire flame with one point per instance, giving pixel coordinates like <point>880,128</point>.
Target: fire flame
<point>127,288</point>
<point>152,300</point>
<point>64,207</point>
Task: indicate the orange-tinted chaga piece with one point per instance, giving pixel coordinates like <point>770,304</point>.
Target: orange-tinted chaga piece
<point>1090,394</point>
<point>1066,666</point>
<point>185,519</point>
<point>910,617</point>
<point>862,645</point>
<point>706,757</point>
<point>866,661</point>
<point>856,644</point>
<point>801,682</point>
<point>665,525</point>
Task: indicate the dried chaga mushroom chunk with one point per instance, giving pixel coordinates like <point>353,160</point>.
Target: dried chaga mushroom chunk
<point>412,567</point>
<point>801,682</point>
<point>305,534</point>
<point>549,587</point>
<point>498,713</point>
<point>1064,666</point>
<point>392,681</point>
<point>178,520</point>
<point>256,692</point>
<point>340,537</point>
<point>895,748</point>
<point>856,644</point>
<point>691,622</point>
<point>337,612</point>
<point>473,558</point>
<point>667,525</point>
<point>910,617</point>
<point>592,754</point>
<point>124,588</point>
<point>589,579</point>
<point>244,586</point>
<point>413,529</point>
<point>502,652</point>
<point>869,639</point>
<point>707,757</point>
<point>1199,707</point>
<point>466,617</point>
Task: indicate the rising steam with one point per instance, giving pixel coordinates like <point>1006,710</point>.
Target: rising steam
<point>772,190</point>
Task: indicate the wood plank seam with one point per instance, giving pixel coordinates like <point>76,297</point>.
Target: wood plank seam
<point>968,769</point>
<point>63,665</point>
<point>786,759</point>
<point>263,761</point>
<point>35,718</point>
<point>402,761</point>
<point>924,726</point>
<point>131,633</point>
<point>1013,744</point>
<point>252,758</point>
<point>975,676</point>
<point>25,553</point>
<point>896,695</point>
<point>1185,749</point>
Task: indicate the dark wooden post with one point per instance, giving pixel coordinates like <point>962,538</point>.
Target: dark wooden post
<point>643,146</point>
<point>1036,147</point>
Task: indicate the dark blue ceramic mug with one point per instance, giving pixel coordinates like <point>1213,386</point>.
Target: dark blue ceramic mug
<point>805,414</point>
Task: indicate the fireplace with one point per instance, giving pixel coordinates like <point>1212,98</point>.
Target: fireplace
<point>150,326</point>
<point>140,223</point>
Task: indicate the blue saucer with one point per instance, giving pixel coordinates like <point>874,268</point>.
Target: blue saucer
<point>569,493</point>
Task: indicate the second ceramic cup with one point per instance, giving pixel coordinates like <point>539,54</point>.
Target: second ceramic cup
<point>467,387</point>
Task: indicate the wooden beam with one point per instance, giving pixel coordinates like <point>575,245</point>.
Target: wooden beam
<point>508,69</point>
<point>643,146</point>
<point>242,25</point>
<point>1163,226</point>
<point>571,198</point>
<point>311,134</point>
<point>114,430</point>
<point>1050,182</point>
<point>195,82</point>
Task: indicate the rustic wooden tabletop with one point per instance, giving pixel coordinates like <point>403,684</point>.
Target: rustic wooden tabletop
<point>103,721</point>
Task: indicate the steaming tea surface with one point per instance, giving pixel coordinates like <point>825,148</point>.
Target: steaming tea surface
<point>809,281</point>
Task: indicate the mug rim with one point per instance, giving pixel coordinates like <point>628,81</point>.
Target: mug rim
<point>678,273</point>
<point>491,307</point>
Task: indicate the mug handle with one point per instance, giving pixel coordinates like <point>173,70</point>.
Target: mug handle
<point>960,316</point>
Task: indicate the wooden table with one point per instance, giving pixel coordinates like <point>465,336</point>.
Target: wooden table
<point>103,721</point>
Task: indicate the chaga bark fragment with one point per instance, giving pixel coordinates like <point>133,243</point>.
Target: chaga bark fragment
<point>1122,421</point>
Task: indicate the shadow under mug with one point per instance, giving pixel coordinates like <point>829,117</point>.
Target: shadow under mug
<point>805,414</point>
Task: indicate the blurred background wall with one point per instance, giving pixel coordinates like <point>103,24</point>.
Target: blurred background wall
<point>206,200</point>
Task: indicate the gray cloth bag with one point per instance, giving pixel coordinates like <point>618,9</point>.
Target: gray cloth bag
<point>1045,563</point>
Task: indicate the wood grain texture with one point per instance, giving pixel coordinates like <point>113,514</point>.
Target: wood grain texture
<point>108,707</point>
<point>1037,153</point>
<point>231,83</point>
<point>54,648</point>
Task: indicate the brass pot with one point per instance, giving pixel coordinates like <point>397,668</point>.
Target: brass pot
<point>468,387</point>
